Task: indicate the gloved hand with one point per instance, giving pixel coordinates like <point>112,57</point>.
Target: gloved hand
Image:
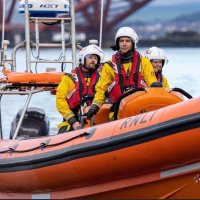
<point>111,116</point>
<point>92,111</point>
<point>74,123</point>
<point>89,114</point>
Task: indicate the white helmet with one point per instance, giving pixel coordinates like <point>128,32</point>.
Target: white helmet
<point>156,53</point>
<point>88,50</point>
<point>127,32</point>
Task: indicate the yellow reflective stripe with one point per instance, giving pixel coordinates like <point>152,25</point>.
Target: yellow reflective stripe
<point>98,103</point>
<point>70,114</point>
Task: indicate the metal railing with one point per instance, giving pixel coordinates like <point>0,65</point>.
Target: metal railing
<point>69,20</point>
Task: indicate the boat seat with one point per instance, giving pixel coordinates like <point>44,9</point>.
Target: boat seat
<point>140,100</point>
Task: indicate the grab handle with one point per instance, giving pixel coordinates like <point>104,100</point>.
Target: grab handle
<point>183,92</point>
<point>84,118</point>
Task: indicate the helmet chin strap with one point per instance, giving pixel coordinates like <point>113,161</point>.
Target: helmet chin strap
<point>86,69</point>
<point>97,66</point>
<point>159,72</point>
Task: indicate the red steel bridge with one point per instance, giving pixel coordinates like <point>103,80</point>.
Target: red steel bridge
<point>87,13</point>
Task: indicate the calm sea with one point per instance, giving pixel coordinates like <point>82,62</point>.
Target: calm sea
<point>182,71</point>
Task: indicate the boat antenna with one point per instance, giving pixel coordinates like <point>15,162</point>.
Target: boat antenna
<point>101,24</point>
<point>3,22</point>
<point>27,37</point>
<point>73,34</point>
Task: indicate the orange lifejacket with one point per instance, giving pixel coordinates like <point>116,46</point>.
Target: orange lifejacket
<point>81,89</point>
<point>122,81</point>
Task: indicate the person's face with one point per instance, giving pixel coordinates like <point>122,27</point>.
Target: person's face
<point>125,44</point>
<point>157,65</point>
<point>91,61</point>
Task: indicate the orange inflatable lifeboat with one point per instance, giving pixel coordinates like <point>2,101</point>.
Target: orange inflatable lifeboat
<point>149,151</point>
<point>153,154</point>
